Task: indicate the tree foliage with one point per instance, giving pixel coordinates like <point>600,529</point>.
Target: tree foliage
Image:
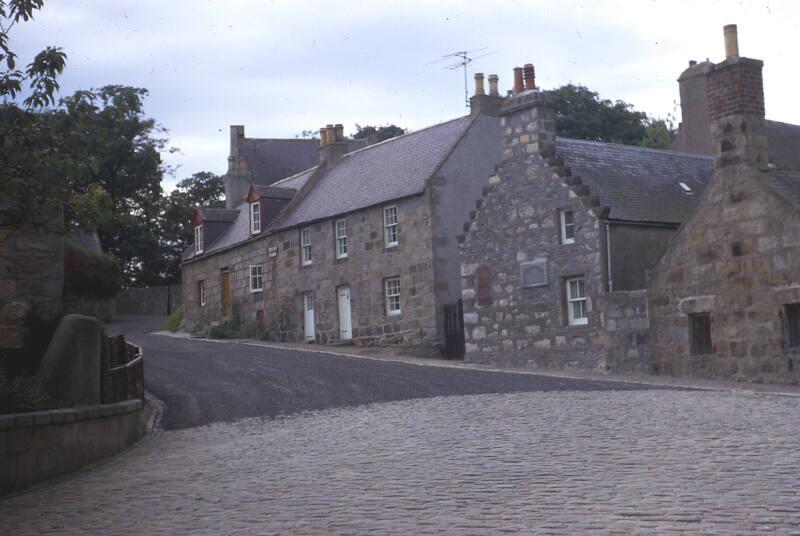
<point>582,114</point>
<point>375,134</point>
<point>203,189</point>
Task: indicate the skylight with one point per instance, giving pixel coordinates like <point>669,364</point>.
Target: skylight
<point>685,188</point>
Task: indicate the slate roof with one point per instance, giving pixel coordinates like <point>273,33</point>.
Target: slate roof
<point>270,160</point>
<point>396,168</point>
<point>787,184</point>
<point>783,141</point>
<point>219,214</point>
<point>637,183</point>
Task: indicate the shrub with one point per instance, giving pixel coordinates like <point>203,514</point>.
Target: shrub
<point>173,321</point>
<point>20,394</point>
<point>90,273</point>
<point>253,330</point>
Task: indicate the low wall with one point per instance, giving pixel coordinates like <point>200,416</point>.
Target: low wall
<point>149,300</point>
<point>40,445</point>
<point>101,309</point>
<point>627,332</point>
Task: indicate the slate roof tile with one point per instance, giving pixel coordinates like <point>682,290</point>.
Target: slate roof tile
<point>637,183</point>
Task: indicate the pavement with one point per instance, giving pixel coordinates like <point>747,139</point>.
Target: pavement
<point>399,449</point>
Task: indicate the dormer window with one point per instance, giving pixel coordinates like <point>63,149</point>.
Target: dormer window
<point>255,218</point>
<point>685,188</point>
<point>198,238</point>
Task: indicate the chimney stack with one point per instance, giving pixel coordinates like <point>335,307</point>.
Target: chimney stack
<point>479,84</point>
<point>332,145</point>
<point>493,86</point>
<point>480,102</point>
<point>528,74</point>
<point>735,94</point>
<point>529,120</point>
<point>731,41</point>
<point>518,84</point>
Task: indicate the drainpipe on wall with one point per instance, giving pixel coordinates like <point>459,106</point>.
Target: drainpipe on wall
<point>608,257</point>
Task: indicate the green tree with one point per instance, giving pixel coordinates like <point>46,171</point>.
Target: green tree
<point>119,148</point>
<point>375,134</point>
<point>203,189</point>
<point>582,114</point>
<point>33,165</point>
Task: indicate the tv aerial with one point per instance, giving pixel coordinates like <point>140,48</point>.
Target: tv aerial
<point>459,60</point>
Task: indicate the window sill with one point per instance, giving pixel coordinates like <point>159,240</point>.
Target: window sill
<point>256,291</point>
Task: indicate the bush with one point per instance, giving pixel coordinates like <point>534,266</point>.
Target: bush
<point>253,330</point>
<point>90,273</point>
<point>222,331</point>
<point>20,394</point>
<point>173,321</point>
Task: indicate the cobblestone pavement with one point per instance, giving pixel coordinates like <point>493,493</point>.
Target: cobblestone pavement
<point>603,462</point>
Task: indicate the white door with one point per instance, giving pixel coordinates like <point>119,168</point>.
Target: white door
<point>308,307</point>
<point>345,324</point>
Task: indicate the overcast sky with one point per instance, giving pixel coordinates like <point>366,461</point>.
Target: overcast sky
<point>281,67</point>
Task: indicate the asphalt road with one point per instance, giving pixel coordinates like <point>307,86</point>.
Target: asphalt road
<point>205,382</point>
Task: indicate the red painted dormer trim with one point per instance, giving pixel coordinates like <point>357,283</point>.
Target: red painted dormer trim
<point>198,217</point>
<point>253,195</point>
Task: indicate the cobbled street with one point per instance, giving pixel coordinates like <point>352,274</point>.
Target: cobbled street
<point>546,461</point>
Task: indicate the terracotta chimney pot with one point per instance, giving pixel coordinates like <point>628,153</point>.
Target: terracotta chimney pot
<point>493,85</point>
<point>323,136</point>
<point>479,84</point>
<point>339,129</point>
<point>528,73</point>
<point>731,41</point>
<point>518,84</point>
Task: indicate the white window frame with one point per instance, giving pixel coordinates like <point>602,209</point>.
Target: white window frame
<point>255,217</point>
<point>340,234</point>
<point>305,246</point>
<point>198,238</point>
<point>256,277</point>
<point>573,299</point>
<point>201,285</point>
<point>390,232</point>
<point>563,217</point>
<point>391,289</point>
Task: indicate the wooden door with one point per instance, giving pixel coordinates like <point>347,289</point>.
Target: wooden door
<point>226,293</point>
<point>345,322</point>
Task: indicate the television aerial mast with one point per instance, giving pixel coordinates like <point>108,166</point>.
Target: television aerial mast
<point>459,60</point>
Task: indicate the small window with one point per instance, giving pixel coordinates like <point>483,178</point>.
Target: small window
<point>256,278</point>
<point>576,302</point>
<point>567,227</point>
<point>340,228</point>
<point>198,239</point>
<point>201,292</point>
<point>700,333</point>
<point>390,226</point>
<point>792,323</point>
<point>534,274</point>
<point>392,290</point>
<point>255,218</point>
<point>483,284</point>
<point>305,245</point>
<point>685,188</point>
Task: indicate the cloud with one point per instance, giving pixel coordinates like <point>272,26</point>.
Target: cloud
<point>281,67</point>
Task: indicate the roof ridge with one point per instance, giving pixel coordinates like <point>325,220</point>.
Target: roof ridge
<point>411,133</point>
<point>638,147</point>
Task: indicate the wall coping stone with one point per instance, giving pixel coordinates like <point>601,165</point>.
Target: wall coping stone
<point>65,415</point>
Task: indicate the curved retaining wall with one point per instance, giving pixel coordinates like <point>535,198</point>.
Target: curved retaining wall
<point>43,444</point>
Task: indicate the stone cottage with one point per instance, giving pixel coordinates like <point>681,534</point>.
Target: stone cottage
<point>360,247</point>
<point>554,259</point>
<point>725,297</point>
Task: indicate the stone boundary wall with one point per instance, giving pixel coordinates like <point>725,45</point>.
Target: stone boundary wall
<point>160,300</point>
<point>627,331</point>
<point>44,444</point>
